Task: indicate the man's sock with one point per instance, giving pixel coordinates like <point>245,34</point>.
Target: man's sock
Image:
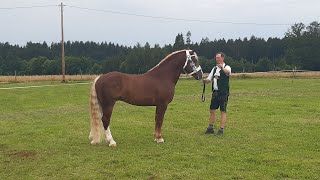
<point>210,126</point>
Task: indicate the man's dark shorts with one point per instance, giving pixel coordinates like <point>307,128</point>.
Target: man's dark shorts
<point>219,100</point>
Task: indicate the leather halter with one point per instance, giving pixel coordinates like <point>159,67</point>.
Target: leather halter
<point>193,66</point>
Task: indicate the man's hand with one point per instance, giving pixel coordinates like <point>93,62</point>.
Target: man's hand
<point>220,66</point>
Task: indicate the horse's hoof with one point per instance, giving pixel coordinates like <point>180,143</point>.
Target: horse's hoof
<point>112,144</point>
<point>93,142</point>
<point>160,140</point>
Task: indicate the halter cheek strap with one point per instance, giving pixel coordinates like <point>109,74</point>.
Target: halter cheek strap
<point>189,58</point>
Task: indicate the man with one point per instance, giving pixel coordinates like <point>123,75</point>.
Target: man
<point>219,76</point>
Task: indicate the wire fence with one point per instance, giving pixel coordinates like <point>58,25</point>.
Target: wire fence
<point>270,74</point>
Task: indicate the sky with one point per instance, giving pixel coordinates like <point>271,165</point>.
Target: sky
<point>215,19</point>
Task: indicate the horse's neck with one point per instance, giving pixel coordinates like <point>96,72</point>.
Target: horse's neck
<point>170,69</point>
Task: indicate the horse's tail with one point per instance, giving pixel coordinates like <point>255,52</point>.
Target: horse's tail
<point>96,114</point>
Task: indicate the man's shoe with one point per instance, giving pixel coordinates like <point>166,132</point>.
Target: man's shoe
<point>209,131</point>
<point>220,132</point>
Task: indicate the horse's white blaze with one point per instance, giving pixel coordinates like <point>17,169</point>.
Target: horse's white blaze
<point>109,138</point>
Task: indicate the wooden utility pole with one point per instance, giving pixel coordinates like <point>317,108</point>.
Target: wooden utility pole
<point>62,47</point>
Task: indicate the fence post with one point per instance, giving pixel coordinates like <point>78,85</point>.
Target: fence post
<point>294,73</point>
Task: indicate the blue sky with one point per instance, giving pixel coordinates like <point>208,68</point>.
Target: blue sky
<point>19,26</point>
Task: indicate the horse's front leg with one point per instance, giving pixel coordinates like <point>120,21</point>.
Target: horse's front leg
<point>160,111</point>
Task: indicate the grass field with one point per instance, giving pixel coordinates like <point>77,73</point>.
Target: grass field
<point>272,133</point>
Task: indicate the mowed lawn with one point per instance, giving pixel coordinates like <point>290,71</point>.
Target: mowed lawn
<point>273,132</point>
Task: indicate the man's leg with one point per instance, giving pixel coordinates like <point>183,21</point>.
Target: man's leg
<point>213,106</point>
<point>223,111</point>
<point>211,121</point>
<point>222,122</point>
<point>223,119</point>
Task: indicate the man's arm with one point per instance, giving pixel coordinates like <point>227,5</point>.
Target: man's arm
<point>226,70</point>
<point>208,79</point>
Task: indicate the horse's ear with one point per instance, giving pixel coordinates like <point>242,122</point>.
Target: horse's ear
<point>194,52</point>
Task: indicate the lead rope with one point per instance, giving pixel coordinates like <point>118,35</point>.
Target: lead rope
<point>203,98</point>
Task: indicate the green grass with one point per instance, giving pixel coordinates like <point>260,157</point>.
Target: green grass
<point>272,133</point>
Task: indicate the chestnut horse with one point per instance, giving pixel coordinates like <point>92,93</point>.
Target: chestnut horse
<point>153,88</point>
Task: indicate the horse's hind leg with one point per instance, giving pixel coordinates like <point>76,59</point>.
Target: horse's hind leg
<point>107,112</point>
<point>109,138</point>
<point>160,111</point>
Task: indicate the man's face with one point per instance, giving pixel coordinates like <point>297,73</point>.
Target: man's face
<point>219,59</point>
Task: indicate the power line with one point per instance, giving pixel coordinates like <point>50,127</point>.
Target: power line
<point>153,17</point>
<point>180,19</point>
<point>28,7</point>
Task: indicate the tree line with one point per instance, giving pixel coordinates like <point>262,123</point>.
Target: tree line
<point>299,48</point>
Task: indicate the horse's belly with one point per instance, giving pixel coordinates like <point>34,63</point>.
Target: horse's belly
<point>146,93</point>
<point>148,98</point>
<point>141,101</point>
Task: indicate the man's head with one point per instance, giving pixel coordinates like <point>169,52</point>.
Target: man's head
<point>220,58</point>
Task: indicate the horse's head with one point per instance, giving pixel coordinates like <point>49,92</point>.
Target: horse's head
<point>192,66</point>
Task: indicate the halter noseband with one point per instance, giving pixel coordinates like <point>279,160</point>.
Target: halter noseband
<point>189,58</point>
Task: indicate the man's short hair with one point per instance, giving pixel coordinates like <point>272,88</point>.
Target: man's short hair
<point>221,53</point>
